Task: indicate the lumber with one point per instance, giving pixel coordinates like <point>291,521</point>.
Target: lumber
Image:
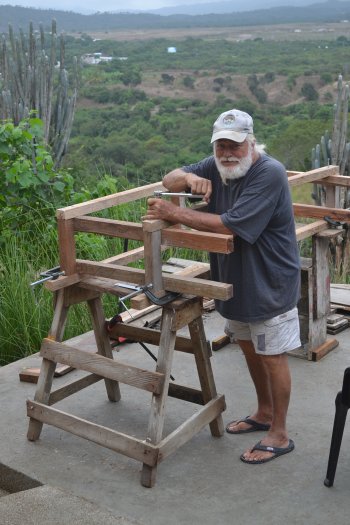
<point>83,208</point>
<point>122,443</point>
<point>313,175</point>
<point>307,230</point>
<point>319,212</point>
<point>172,283</point>
<point>102,366</point>
<point>194,239</point>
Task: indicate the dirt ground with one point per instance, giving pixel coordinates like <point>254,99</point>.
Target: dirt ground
<point>273,32</point>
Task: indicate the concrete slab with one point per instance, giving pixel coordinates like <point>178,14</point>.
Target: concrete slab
<point>50,506</point>
<point>204,481</point>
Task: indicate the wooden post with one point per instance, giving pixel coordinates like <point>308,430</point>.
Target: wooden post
<point>164,363</point>
<point>103,343</point>
<point>47,370</point>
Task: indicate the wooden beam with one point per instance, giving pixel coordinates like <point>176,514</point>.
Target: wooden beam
<point>218,243</point>
<point>196,240</point>
<point>102,366</point>
<point>72,388</point>
<point>172,283</point>
<point>335,180</point>
<point>191,427</point>
<point>62,282</point>
<point>313,175</point>
<point>83,208</point>
<point>319,212</point>
<point>307,230</point>
<point>106,437</point>
<point>149,336</point>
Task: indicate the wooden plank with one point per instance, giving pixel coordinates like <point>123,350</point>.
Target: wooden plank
<point>340,294</point>
<point>321,278</point>
<point>312,175</point>
<point>196,240</point>
<point>205,372</point>
<point>319,212</point>
<point>153,261</point>
<point>220,342</point>
<point>324,349</point>
<point>172,283</point>
<point>307,230</point>
<point>106,437</point>
<point>67,249</point>
<point>102,366</point>
<point>62,282</point>
<point>158,404</point>
<point>109,227</point>
<point>191,427</point>
<point>185,393</point>
<point>31,374</point>
<point>335,180</point>
<point>83,208</point>
<point>73,388</point>
<point>189,311</point>
<point>150,336</point>
<point>103,343</point>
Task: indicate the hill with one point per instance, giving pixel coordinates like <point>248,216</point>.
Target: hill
<point>329,11</point>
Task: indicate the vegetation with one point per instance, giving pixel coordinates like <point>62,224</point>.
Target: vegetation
<point>135,120</point>
<point>29,81</point>
<point>329,11</point>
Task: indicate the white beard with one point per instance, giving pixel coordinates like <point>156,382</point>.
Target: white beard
<point>235,172</point>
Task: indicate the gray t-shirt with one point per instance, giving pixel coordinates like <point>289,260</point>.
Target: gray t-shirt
<point>264,267</point>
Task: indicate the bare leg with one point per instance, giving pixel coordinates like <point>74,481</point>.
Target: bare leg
<point>260,377</point>
<point>279,380</point>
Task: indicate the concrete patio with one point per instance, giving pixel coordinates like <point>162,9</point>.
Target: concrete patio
<point>65,479</point>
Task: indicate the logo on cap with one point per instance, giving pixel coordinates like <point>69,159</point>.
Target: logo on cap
<point>228,120</point>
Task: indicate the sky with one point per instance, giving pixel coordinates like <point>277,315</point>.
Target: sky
<point>92,6</point>
<point>102,5</point>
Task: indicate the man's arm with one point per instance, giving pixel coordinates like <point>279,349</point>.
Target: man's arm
<point>178,180</point>
<point>167,211</point>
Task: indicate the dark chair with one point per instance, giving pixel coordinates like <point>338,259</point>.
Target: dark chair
<point>342,405</point>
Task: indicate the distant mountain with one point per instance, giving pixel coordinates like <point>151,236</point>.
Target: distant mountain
<point>329,11</point>
<point>226,7</point>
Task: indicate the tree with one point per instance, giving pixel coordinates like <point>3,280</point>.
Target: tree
<point>31,79</point>
<point>309,92</point>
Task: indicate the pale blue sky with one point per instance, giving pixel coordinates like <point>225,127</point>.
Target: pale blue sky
<point>92,6</point>
<point>101,5</point>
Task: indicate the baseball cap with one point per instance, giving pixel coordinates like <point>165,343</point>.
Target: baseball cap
<point>233,125</point>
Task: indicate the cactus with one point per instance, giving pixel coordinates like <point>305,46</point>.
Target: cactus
<point>336,151</point>
<point>30,81</point>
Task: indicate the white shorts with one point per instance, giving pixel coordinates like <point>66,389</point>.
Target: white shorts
<point>270,337</point>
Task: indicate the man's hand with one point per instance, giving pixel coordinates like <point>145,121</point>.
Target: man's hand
<point>161,209</point>
<point>199,186</point>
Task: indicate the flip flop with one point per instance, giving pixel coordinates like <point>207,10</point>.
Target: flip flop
<point>277,451</point>
<point>255,426</point>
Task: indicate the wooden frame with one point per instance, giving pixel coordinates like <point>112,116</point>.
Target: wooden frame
<point>85,281</point>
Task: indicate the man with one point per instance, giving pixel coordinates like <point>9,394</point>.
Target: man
<point>248,197</point>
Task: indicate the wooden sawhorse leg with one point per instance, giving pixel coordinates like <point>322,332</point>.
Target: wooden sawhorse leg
<point>47,370</point>
<point>56,333</point>
<point>179,313</point>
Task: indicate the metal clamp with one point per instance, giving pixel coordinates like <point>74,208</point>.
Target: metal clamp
<point>48,275</point>
<point>160,194</point>
<point>146,289</point>
<point>333,223</point>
